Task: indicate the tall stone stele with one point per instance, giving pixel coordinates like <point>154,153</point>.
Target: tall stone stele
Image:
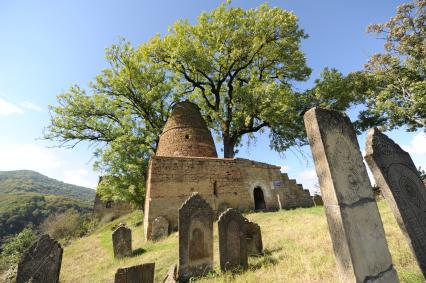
<point>353,218</point>
<point>41,263</point>
<point>399,181</point>
<point>232,240</point>
<point>195,238</point>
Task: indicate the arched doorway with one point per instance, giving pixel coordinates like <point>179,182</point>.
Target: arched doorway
<point>259,200</point>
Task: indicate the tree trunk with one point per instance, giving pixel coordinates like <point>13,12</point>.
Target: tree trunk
<point>228,146</point>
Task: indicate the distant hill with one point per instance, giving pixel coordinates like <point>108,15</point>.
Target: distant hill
<point>27,181</point>
<point>28,197</point>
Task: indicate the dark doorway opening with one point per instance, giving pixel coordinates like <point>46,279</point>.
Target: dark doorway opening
<point>259,200</point>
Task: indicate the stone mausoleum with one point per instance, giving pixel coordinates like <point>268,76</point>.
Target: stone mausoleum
<point>186,161</point>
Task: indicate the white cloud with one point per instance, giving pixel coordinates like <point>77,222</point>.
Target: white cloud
<point>79,177</point>
<point>7,108</point>
<point>28,156</point>
<point>417,144</point>
<point>31,106</point>
<point>308,178</point>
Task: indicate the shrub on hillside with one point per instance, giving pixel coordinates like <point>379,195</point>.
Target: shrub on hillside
<point>14,247</point>
<point>67,225</point>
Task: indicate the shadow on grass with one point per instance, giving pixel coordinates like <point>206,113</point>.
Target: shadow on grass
<point>138,252</point>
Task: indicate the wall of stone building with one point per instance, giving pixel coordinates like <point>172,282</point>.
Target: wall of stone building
<point>221,182</point>
<point>110,209</point>
<point>292,195</point>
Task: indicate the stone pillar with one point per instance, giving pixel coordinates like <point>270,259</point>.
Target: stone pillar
<point>41,263</point>
<point>143,273</point>
<point>353,218</point>
<point>195,238</point>
<point>400,183</point>
<point>232,240</point>
<point>122,241</point>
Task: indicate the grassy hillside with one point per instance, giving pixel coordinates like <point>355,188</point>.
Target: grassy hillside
<point>26,181</point>
<point>28,197</point>
<point>297,249</point>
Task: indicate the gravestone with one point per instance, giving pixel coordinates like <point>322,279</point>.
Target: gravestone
<point>160,228</point>
<point>143,273</point>
<point>253,238</point>
<point>195,238</point>
<point>171,276</point>
<point>353,218</point>
<point>400,183</point>
<point>232,240</point>
<point>41,263</point>
<point>122,241</point>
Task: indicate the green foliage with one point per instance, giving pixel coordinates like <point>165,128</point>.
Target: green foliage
<point>399,93</point>
<point>15,246</point>
<point>237,65</point>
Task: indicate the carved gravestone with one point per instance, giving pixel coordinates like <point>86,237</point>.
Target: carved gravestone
<point>160,228</point>
<point>253,239</point>
<point>41,263</point>
<point>195,238</point>
<point>400,183</point>
<point>143,273</point>
<point>122,241</point>
<point>353,218</point>
<point>232,240</point>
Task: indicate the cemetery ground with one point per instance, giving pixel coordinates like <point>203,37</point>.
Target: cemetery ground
<point>296,242</point>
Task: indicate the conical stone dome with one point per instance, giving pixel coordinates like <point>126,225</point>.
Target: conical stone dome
<point>186,134</point>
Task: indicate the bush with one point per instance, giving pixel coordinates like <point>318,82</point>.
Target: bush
<point>15,246</point>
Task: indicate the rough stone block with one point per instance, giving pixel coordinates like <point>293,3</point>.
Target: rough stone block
<point>171,276</point>
<point>122,241</point>
<point>160,228</point>
<point>232,240</point>
<point>353,218</point>
<point>254,239</point>
<point>143,273</point>
<point>400,183</point>
<point>195,238</point>
<point>41,263</point>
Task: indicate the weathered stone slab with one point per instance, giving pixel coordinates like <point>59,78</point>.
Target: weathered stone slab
<point>122,241</point>
<point>253,239</point>
<point>171,276</point>
<point>353,218</point>
<point>41,263</point>
<point>232,240</point>
<point>400,183</point>
<point>160,228</point>
<point>195,238</point>
<point>143,273</point>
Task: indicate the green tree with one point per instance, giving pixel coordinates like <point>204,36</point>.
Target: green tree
<point>15,246</point>
<point>398,94</point>
<point>237,65</point>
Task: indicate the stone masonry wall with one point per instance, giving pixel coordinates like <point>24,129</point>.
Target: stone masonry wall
<point>111,209</point>
<point>223,183</point>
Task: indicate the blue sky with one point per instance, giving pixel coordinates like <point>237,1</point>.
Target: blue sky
<point>46,46</point>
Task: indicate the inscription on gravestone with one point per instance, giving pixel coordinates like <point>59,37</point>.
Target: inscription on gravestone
<point>195,238</point>
<point>353,218</point>
<point>122,241</point>
<point>143,273</point>
<point>398,179</point>
<point>232,240</point>
<point>41,263</point>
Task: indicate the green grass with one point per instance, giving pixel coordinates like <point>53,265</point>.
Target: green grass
<point>297,249</point>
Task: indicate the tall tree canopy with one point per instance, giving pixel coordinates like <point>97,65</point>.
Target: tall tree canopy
<point>398,95</point>
<point>237,65</point>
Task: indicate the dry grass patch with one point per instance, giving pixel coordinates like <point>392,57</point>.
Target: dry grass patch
<point>297,249</point>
